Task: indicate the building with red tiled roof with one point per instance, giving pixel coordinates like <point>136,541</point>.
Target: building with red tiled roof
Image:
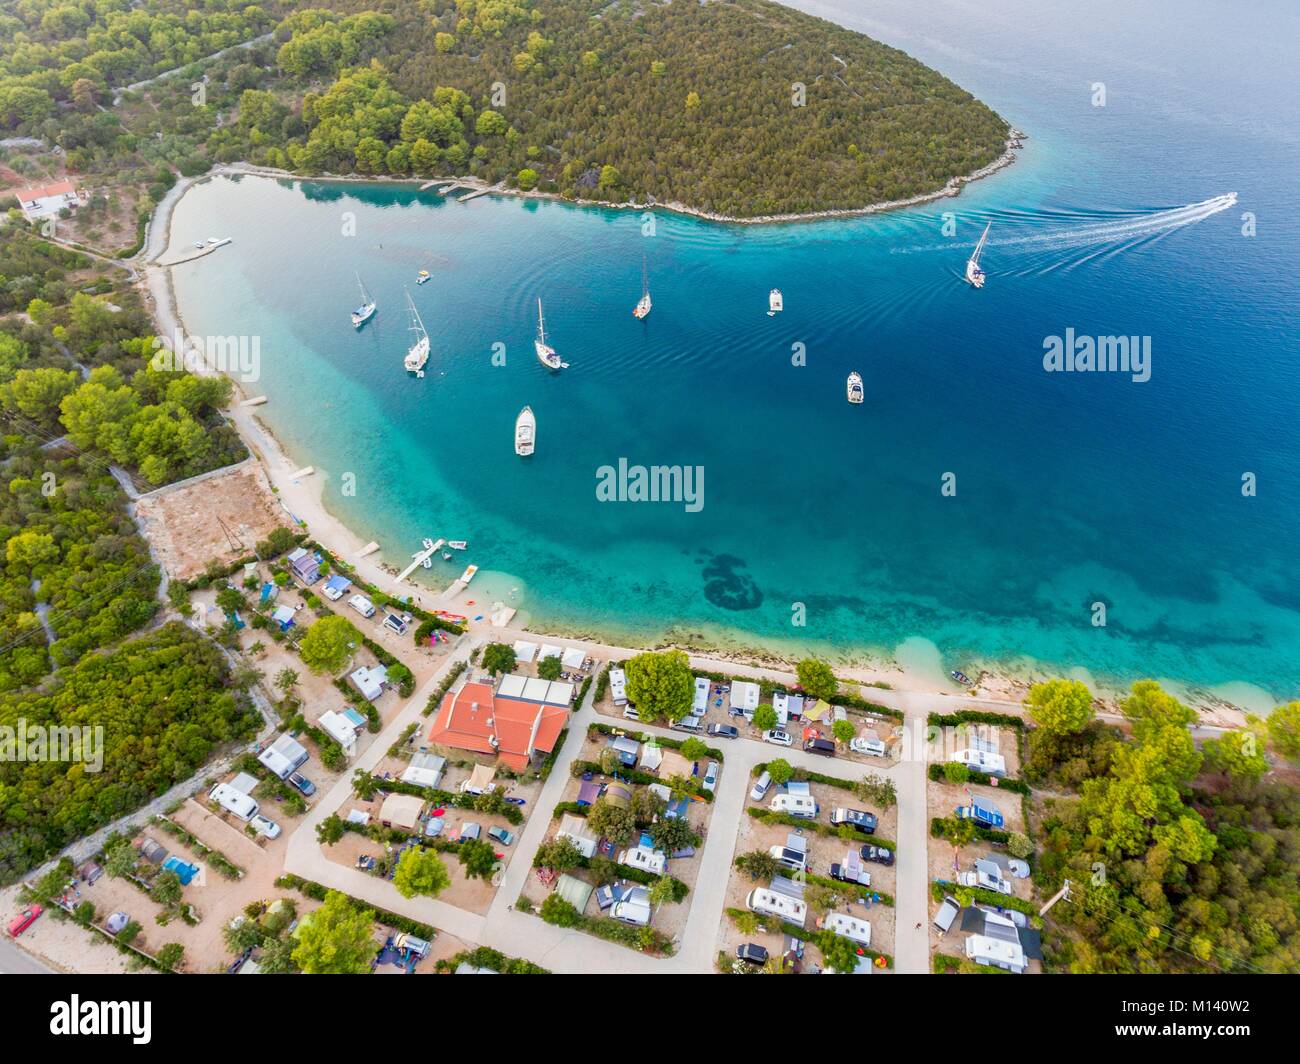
<point>480,721</point>
<point>47,200</point>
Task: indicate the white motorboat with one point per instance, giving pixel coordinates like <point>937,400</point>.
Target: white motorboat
<point>545,352</point>
<point>422,277</point>
<point>458,544</point>
<point>418,353</point>
<point>366,310</point>
<point>855,392</point>
<point>775,303</point>
<point>525,432</point>
<point>974,273</point>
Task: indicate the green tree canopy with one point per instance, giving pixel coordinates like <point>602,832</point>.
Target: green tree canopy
<point>336,939</point>
<point>329,644</point>
<point>1060,707</point>
<point>661,684</point>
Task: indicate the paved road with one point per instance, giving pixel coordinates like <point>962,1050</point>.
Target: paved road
<point>15,961</point>
<point>567,951</point>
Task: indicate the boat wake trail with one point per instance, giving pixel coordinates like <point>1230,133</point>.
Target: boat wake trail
<point>1119,230</point>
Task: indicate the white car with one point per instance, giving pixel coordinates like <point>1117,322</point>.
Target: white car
<point>266,827</point>
<point>861,745</point>
<point>711,776</point>
<point>777,736</point>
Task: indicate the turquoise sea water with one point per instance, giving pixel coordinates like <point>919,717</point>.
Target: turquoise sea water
<point>1071,488</point>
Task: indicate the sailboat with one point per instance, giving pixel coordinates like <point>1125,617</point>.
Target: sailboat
<point>525,432</point>
<point>975,275</point>
<point>775,304</point>
<point>643,304</point>
<point>418,353</point>
<point>855,392</point>
<point>545,352</point>
<point>366,311</point>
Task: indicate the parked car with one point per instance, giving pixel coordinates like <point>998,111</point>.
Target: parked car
<point>795,860</point>
<point>856,874</point>
<point>711,776</point>
<point>777,736</point>
<point>861,745</point>
<point>863,821</point>
<point>630,713</point>
<point>760,788</point>
<point>24,920</point>
<point>362,605</point>
<point>819,746</point>
<point>300,782</point>
<point>723,731</point>
<point>752,953</point>
<point>502,836</point>
<point>395,624</point>
<point>265,826</point>
<point>879,854</point>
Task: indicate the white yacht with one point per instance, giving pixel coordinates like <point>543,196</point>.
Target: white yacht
<point>367,309</point>
<point>525,432</point>
<point>974,274</point>
<point>418,353</point>
<point>545,352</point>
<point>643,304</point>
<point>422,277</point>
<point>855,392</point>
<point>457,544</point>
<point>775,304</point>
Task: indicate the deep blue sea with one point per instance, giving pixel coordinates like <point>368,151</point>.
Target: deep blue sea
<point>1071,488</point>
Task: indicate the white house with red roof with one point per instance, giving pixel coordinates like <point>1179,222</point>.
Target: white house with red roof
<point>515,726</point>
<point>45,201</point>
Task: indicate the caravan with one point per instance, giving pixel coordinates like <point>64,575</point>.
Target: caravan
<point>849,927</point>
<point>803,806</point>
<point>235,802</point>
<point>782,906</point>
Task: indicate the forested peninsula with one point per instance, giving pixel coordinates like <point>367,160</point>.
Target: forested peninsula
<point>741,109</point>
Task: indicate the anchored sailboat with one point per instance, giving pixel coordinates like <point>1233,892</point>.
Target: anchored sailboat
<point>643,304</point>
<point>855,392</point>
<point>366,311</point>
<point>418,353</point>
<point>545,352</point>
<point>975,275</point>
<point>525,432</point>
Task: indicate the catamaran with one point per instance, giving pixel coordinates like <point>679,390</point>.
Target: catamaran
<point>975,275</point>
<point>775,304</point>
<point>855,392</point>
<point>643,304</point>
<point>366,311</point>
<point>418,353</point>
<point>545,352</point>
<point>525,432</point>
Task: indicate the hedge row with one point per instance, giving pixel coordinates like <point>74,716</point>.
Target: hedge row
<point>801,933</point>
<point>396,921</point>
<point>940,887</point>
<point>834,884</point>
<point>975,716</point>
<point>215,858</point>
<point>483,957</point>
<point>981,832</point>
<point>642,779</point>
<point>712,752</point>
<point>767,816</point>
<point>936,772</point>
<point>435,699</point>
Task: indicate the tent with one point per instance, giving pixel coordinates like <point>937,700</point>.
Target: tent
<point>588,793</point>
<point>524,651</point>
<point>480,780</point>
<point>425,770</point>
<point>116,922</point>
<point>573,658</point>
<point>550,650</point>
<point>574,891</point>
<point>818,711</point>
<point>401,811</point>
